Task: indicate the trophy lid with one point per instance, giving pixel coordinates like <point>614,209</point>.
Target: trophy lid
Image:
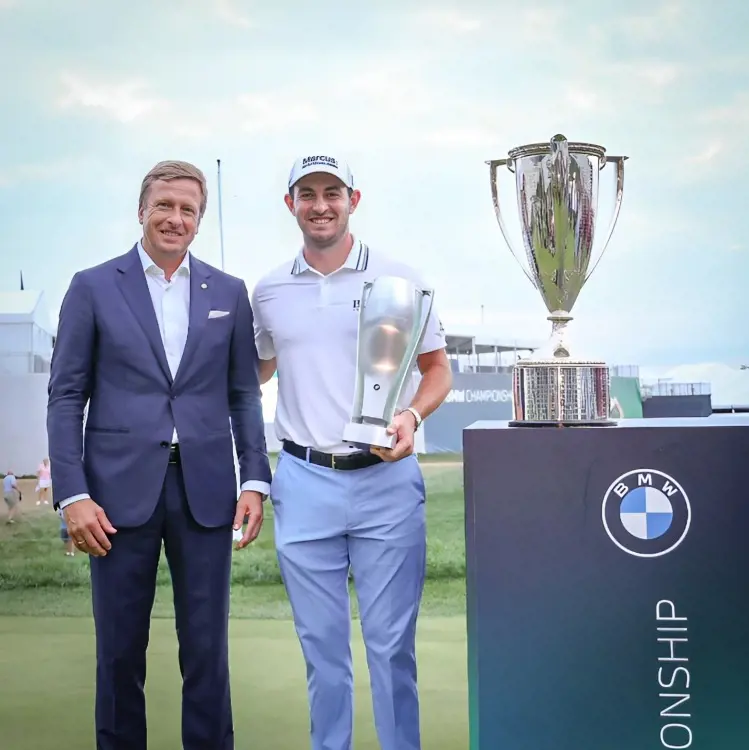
<point>542,149</point>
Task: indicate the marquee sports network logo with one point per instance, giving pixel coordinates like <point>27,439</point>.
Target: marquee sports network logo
<point>646,513</point>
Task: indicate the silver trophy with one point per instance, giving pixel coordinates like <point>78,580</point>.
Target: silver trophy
<point>556,186</point>
<point>393,315</point>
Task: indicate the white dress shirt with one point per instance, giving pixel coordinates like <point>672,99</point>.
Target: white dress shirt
<point>171,303</point>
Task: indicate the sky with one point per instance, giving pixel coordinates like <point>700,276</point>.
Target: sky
<point>416,96</point>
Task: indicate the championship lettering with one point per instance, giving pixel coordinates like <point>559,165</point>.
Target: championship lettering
<point>674,678</point>
<point>477,396</point>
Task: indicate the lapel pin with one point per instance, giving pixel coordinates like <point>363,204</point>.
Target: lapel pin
<point>204,286</point>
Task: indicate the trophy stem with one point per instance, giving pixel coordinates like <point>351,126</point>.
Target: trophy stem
<point>559,322</point>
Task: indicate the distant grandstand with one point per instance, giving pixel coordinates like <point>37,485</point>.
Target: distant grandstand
<point>481,352</point>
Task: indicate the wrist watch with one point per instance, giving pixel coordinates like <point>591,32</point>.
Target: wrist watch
<point>417,416</point>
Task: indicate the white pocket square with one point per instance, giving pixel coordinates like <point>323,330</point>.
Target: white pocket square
<point>217,314</point>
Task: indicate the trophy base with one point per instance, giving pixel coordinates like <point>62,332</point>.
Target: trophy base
<point>552,423</point>
<point>367,436</point>
<point>561,392</point>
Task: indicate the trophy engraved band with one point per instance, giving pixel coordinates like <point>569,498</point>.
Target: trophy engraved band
<point>556,186</point>
<point>393,316</point>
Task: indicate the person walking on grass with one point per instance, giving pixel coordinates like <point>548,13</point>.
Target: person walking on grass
<point>11,495</point>
<point>43,482</point>
<point>67,541</point>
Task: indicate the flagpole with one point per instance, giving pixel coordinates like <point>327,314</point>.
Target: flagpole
<point>220,215</point>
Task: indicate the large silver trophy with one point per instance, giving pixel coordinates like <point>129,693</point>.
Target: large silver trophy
<point>393,315</point>
<point>556,187</point>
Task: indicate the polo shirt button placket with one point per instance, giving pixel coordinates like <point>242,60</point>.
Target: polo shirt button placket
<point>324,292</point>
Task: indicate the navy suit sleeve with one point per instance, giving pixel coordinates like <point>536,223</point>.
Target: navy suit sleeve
<point>70,384</point>
<point>245,402</point>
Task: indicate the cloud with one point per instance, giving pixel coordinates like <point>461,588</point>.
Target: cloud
<point>450,20</point>
<point>38,172</point>
<point>228,11</point>
<point>265,112</point>
<point>707,155</point>
<point>734,113</point>
<point>378,101</point>
<point>539,24</point>
<point>462,137</point>
<point>125,101</point>
<point>657,74</point>
<point>660,22</point>
<point>716,139</point>
<point>524,25</point>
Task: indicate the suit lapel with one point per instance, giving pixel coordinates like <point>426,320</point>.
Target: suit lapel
<point>200,306</point>
<point>134,287</point>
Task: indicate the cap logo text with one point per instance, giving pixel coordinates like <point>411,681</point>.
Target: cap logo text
<point>309,161</point>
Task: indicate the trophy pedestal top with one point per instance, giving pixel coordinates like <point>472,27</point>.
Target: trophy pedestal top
<point>715,420</point>
<point>562,423</point>
<point>558,362</point>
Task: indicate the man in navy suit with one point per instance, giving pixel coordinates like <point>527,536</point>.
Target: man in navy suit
<point>160,347</point>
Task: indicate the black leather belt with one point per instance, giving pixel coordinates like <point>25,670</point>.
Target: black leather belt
<point>342,462</point>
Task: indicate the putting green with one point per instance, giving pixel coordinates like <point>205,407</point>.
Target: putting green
<point>47,676</point>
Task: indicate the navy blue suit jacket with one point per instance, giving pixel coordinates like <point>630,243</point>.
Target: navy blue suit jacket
<point>109,356</point>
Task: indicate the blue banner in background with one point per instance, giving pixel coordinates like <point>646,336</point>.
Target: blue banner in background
<point>474,397</point>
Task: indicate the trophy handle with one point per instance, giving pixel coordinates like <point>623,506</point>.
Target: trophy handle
<point>619,162</point>
<point>426,311</point>
<point>493,169</point>
<point>365,292</point>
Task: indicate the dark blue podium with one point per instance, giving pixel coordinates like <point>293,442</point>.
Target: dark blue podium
<point>608,585</point>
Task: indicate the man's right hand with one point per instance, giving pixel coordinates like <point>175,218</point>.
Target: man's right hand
<point>88,527</point>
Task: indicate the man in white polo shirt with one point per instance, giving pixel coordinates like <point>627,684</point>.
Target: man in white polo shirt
<point>337,507</point>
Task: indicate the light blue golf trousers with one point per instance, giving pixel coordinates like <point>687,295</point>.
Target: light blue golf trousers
<point>373,521</point>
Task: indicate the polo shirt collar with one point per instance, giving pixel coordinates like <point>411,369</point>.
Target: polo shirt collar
<point>357,260</point>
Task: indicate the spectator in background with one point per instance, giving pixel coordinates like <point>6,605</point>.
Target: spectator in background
<point>65,535</point>
<point>11,495</point>
<point>44,482</point>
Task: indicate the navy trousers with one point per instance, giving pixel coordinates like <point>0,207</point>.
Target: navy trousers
<point>123,587</point>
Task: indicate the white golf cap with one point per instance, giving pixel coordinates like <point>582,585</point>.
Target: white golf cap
<point>329,164</point>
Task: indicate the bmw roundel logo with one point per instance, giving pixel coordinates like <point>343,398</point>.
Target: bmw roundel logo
<point>646,513</point>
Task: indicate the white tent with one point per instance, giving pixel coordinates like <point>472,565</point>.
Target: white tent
<point>26,333</point>
<point>26,341</point>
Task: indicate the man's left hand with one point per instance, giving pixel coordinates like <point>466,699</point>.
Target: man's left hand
<point>250,506</point>
<point>404,427</point>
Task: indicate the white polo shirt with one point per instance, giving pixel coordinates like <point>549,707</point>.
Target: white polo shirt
<point>308,322</point>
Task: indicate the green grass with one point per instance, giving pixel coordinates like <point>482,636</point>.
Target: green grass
<point>47,657</point>
<point>36,577</point>
<point>47,675</point>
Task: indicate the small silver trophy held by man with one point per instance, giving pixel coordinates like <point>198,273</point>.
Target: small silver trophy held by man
<point>393,317</point>
<point>556,187</point>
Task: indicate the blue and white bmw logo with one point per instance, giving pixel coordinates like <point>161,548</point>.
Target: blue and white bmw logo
<point>646,513</point>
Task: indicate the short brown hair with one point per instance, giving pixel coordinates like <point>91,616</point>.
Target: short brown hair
<point>174,170</point>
